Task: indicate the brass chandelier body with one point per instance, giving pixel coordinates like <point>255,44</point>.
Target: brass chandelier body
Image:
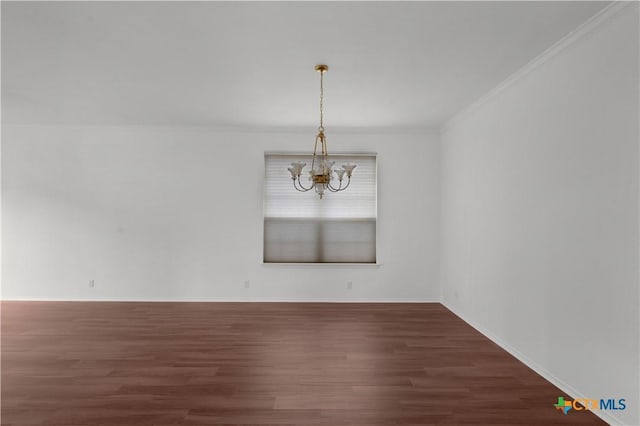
<point>321,173</point>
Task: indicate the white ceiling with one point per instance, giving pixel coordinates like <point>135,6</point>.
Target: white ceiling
<point>404,64</point>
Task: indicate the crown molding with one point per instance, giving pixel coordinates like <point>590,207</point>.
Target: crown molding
<point>592,23</point>
<point>245,129</point>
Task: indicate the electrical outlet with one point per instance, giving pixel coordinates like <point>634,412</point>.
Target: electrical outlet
<point>247,284</point>
<point>349,285</point>
<point>92,283</point>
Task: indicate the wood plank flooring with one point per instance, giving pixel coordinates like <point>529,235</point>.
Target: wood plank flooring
<point>107,363</point>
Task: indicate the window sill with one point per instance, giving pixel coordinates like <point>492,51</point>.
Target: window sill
<point>321,264</point>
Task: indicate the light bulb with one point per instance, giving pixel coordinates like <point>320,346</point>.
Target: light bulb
<point>348,168</point>
<point>298,166</point>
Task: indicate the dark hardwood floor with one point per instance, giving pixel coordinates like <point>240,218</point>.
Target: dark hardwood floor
<point>79,363</point>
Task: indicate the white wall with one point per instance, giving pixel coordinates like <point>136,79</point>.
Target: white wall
<point>540,216</point>
<point>539,208</point>
<point>176,213</point>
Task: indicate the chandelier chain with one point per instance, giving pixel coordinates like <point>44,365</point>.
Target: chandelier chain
<point>321,128</point>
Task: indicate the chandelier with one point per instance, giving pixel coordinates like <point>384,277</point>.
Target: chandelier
<point>321,173</point>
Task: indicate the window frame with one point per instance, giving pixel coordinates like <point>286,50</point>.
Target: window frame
<point>377,262</point>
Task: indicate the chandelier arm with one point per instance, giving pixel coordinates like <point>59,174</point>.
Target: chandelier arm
<point>333,189</point>
<point>347,185</point>
<point>300,187</point>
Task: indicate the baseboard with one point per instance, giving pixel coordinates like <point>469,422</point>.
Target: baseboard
<point>231,300</point>
<point>564,387</point>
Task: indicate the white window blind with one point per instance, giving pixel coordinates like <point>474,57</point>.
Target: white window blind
<point>302,228</point>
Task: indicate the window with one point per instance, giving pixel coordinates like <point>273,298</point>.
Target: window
<point>302,228</point>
